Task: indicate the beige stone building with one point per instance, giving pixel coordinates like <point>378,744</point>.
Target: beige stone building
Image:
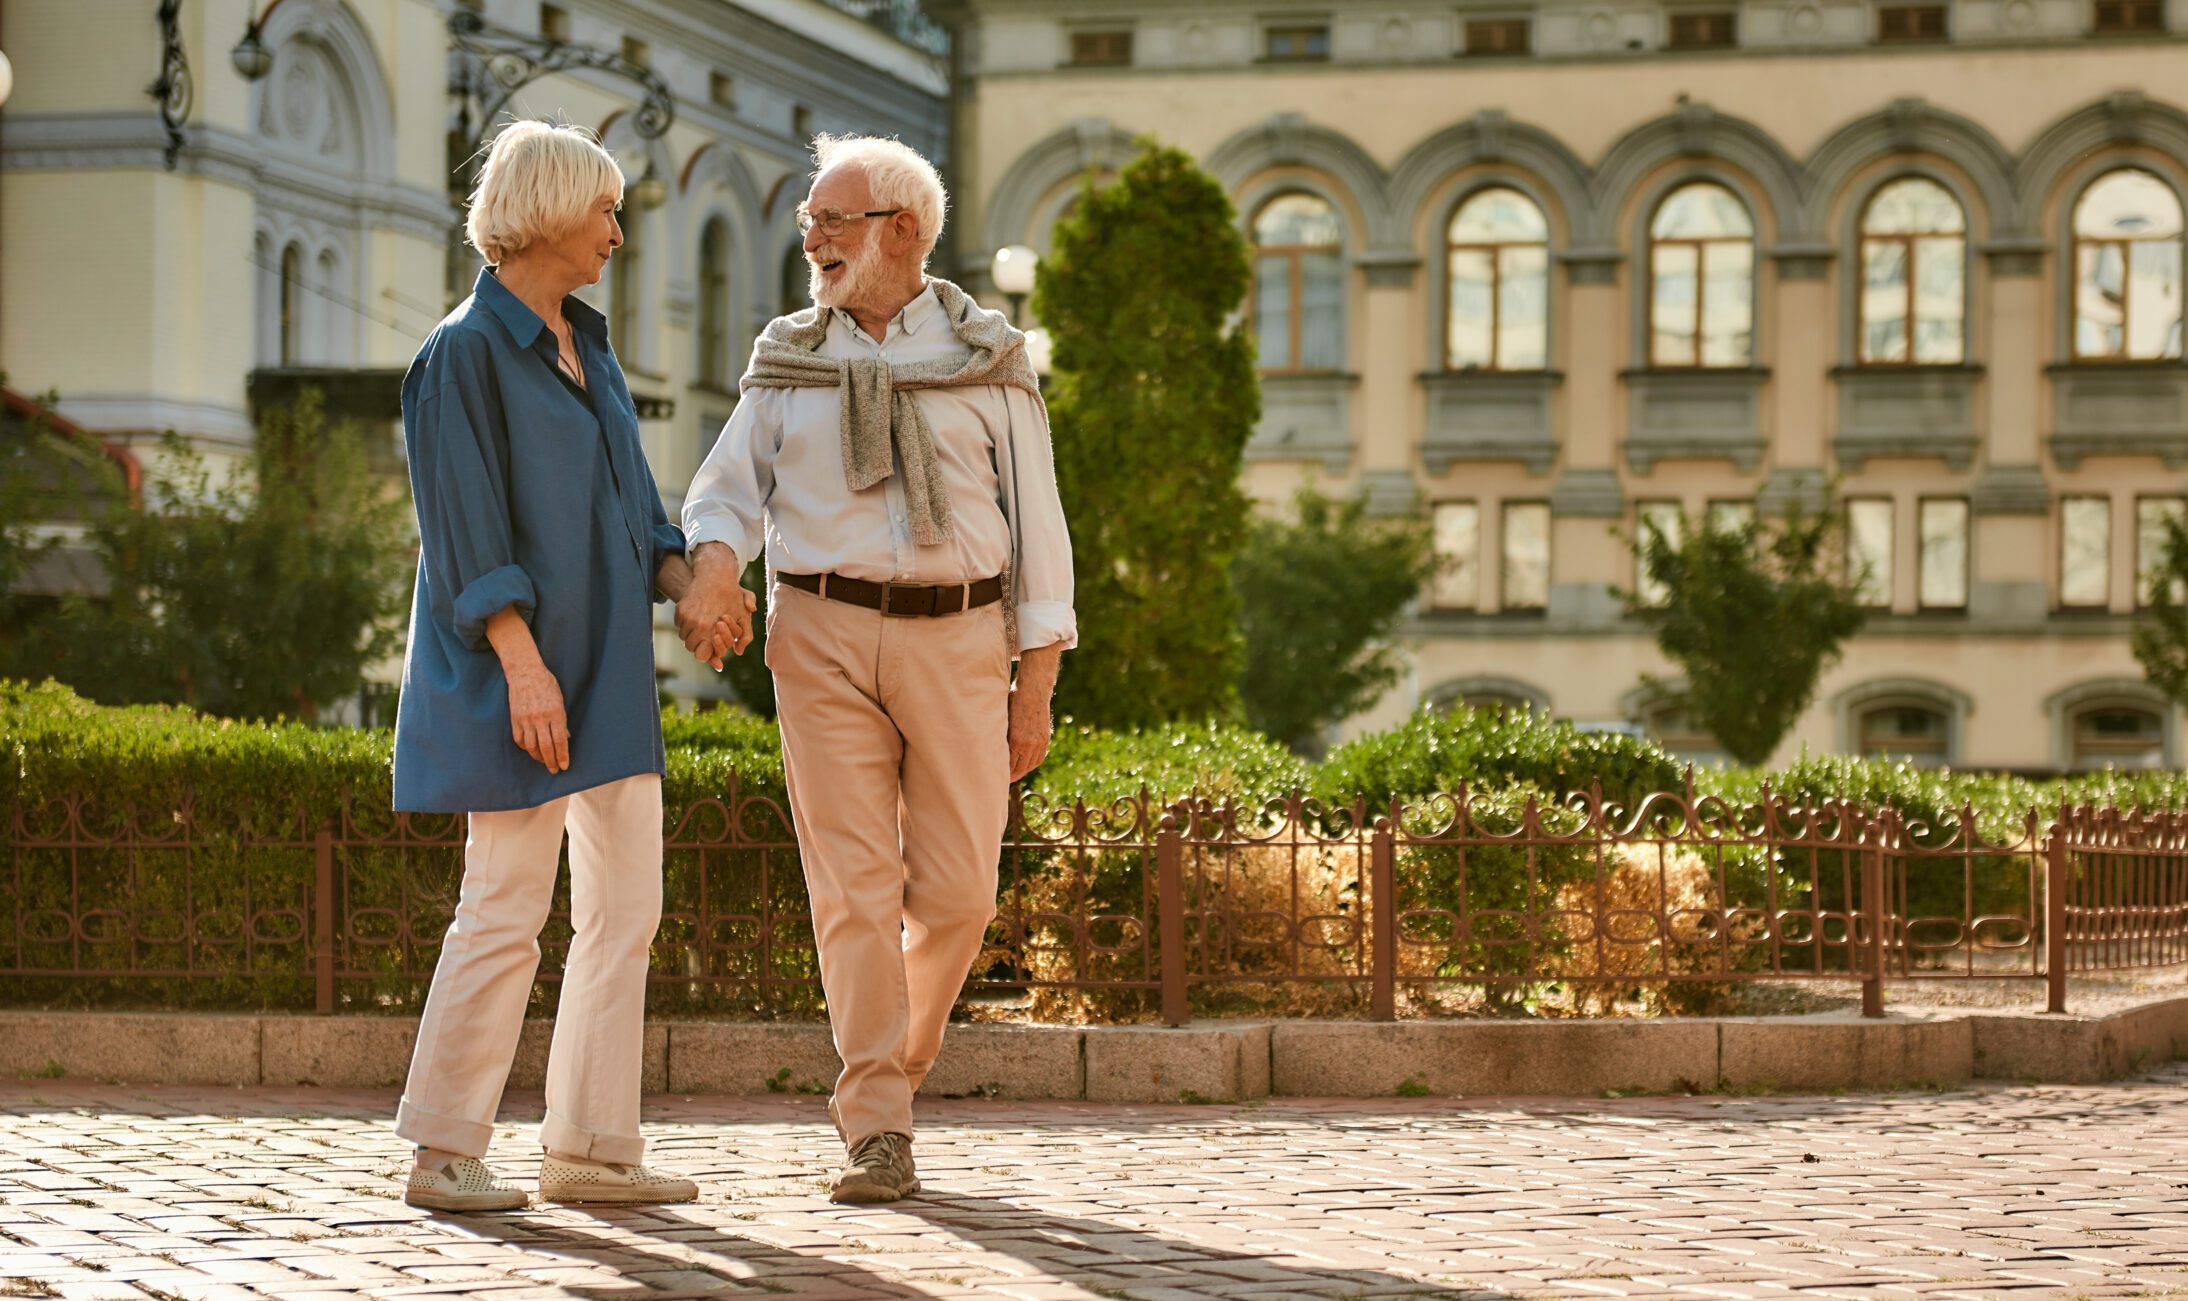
<point>286,215</point>
<point>1550,268</point>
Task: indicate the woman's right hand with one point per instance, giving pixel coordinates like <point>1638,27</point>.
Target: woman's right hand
<point>536,717</point>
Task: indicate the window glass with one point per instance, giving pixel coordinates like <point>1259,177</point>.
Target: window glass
<point>1869,550</point>
<point>2127,269</point>
<point>1918,733</point>
<point>1457,584</point>
<point>2085,551</point>
<point>1702,274</point>
<point>1944,557</point>
<point>1526,555</point>
<point>1497,316</point>
<point>1662,519</point>
<point>2151,517</point>
<point>2118,736</point>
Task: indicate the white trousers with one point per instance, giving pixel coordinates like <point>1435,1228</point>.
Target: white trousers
<point>475,1010</point>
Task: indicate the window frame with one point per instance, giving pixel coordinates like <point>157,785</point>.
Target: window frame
<point>1944,24</point>
<point>2143,589</point>
<point>1296,284</point>
<point>1652,242</point>
<point>1967,552</point>
<point>1948,742</point>
<point>2103,602</point>
<point>290,306</point>
<point>2076,242</point>
<point>1526,29</point>
<point>1730,17</point>
<point>1889,571</point>
<point>712,326</point>
<point>1496,284</point>
<point>1435,594</point>
<point>1272,31</point>
<point>1908,242</point>
<point>1073,52</point>
<point>2098,26</point>
<point>1505,513</point>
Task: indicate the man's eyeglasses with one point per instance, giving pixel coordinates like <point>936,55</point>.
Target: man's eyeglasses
<point>831,222</point>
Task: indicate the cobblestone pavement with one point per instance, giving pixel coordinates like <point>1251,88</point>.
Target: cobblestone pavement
<point>126,1192</point>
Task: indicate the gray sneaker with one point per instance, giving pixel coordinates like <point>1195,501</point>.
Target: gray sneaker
<point>880,1170</point>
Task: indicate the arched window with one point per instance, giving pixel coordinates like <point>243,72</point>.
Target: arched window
<point>1916,731</point>
<point>1299,285</point>
<point>1496,315</point>
<point>714,303</point>
<point>1701,279</point>
<point>2127,269</point>
<point>624,284</point>
<point>1914,268</point>
<point>292,305</point>
<point>797,281</point>
<point>2117,734</point>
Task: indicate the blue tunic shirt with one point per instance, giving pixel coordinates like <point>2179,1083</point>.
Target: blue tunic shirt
<point>535,495</point>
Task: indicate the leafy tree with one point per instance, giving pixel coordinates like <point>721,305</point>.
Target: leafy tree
<point>1319,597</point>
<point>2160,638</point>
<point>1153,398</point>
<point>265,594</point>
<point>25,471</point>
<point>1753,612</point>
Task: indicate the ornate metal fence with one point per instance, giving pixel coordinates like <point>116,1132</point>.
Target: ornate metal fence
<point>1174,904</point>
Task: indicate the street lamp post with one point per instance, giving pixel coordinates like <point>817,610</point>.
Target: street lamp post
<point>1012,271</point>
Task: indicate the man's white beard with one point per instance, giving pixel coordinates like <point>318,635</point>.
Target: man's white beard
<point>861,266</point>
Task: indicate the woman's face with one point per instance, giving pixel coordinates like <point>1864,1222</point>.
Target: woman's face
<point>585,250</point>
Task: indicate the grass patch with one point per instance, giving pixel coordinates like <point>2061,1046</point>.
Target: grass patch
<point>52,1070</point>
<point>1411,1087</point>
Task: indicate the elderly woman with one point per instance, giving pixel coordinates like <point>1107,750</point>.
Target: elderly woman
<point>528,695</point>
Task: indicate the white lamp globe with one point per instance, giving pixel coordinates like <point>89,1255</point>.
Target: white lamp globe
<point>7,78</point>
<point>1013,269</point>
<point>1037,350</point>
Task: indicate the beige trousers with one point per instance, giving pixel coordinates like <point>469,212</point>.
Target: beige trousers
<point>476,1008</point>
<point>896,748</point>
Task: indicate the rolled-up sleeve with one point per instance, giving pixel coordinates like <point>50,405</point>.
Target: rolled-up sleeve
<point>1045,614</point>
<point>728,496</point>
<point>460,479</point>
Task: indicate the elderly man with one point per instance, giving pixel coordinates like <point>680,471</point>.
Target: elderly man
<point>891,446</point>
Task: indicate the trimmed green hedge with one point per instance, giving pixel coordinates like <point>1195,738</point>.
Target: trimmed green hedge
<point>275,780</point>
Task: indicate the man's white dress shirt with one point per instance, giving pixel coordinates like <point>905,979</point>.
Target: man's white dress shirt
<point>777,472</point>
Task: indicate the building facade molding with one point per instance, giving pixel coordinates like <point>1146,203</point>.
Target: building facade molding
<point>1693,134</point>
<point>1850,704</point>
<point>1091,144</point>
<point>1288,140</point>
<point>1908,131</point>
<point>2062,706</point>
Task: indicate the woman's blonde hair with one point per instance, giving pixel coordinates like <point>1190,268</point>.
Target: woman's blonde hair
<point>539,182</point>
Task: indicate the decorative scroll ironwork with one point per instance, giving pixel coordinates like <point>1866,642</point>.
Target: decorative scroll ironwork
<point>501,63</point>
<point>173,92</point>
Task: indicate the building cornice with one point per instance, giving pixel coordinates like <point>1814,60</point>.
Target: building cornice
<point>136,141</point>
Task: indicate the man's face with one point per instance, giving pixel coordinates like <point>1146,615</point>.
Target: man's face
<point>845,268</point>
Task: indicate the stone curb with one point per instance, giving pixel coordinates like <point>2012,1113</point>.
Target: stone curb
<point>1205,1061</point>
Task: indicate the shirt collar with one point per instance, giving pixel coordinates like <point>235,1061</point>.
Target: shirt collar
<point>916,314</point>
<point>523,323</point>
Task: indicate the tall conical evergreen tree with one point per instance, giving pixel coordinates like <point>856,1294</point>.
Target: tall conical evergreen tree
<point>1153,397</point>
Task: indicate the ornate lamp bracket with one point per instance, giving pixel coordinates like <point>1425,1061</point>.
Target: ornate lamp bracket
<point>173,91</point>
<point>502,63</point>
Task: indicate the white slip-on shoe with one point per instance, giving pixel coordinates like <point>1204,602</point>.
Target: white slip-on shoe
<point>565,1179</point>
<point>464,1184</point>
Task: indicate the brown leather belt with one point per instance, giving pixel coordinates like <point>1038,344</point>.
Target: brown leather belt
<point>900,600</point>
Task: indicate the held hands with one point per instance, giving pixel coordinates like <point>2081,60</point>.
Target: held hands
<point>536,717</point>
<point>716,617</point>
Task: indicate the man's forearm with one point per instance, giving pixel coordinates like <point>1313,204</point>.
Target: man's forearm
<point>711,561</point>
<point>1037,669</point>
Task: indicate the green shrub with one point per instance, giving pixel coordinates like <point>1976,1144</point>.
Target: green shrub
<point>1436,752</point>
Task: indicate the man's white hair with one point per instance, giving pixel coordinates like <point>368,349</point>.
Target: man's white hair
<point>539,182</point>
<point>897,175</point>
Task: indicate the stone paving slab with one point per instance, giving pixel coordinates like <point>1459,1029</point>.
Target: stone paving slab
<point>135,1193</point>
